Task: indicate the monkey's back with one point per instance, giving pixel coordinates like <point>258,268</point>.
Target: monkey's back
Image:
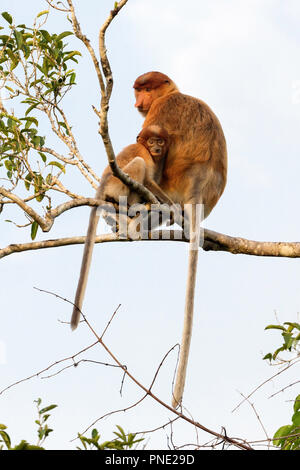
<point>197,144</point>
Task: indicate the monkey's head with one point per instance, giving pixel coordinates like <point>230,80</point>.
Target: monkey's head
<point>150,86</point>
<point>155,139</point>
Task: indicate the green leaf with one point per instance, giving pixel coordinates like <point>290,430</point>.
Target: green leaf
<point>275,327</point>
<point>282,431</point>
<point>296,418</point>
<point>45,35</point>
<point>63,35</point>
<point>31,108</point>
<point>59,165</point>
<point>38,141</point>
<point>13,57</point>
<point>297,403</point>
<point>7,17</point>
<point>278,351</point>
<point>5,438</point>
<point>72,78</point>
<point>294,325</point>
<point>121,430</point>
<point>40,197</point>
<point>288,340</point>
<point>82,438</point>
<point>48,408</point>
<point>34,229</point>
<point>25,446</point>
<point>44,12</point>
<point>43,156</point>
<point>268,356</point>
<point>8,164</point>
<point>70,55</point>
<point>2,426</point>
<point>19,38</point>
<point>29,121</point>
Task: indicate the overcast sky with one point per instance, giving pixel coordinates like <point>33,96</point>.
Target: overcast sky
<point>242,58</point>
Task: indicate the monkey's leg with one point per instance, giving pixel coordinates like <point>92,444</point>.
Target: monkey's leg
<point>136,169</point>
<point>176,212</point>
<point>167,211</point>
<point>194,230</point>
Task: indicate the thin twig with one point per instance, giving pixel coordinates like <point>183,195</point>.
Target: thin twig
<point>262,384</point>
<point>235,442</point>
<point>37,374</point>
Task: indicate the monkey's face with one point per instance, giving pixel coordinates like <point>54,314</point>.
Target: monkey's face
<point>156,146</point>
<point>150,86</point>
<point>143,100</point>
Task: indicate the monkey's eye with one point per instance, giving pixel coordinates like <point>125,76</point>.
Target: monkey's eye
<point>148,89</point>
<point>160,142</point>
<point>150,141</point>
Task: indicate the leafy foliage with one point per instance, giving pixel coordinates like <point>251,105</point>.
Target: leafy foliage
<point>287,437</point>
<point>43,431</point>
<point>121,442</point>
<point>36,71</point>
<point>291,338</point>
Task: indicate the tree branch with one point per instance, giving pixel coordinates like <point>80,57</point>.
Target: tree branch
<point>213,241</point>
<point>106,90</point>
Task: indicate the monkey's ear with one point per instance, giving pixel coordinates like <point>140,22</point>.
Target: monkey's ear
<point>137,137</point>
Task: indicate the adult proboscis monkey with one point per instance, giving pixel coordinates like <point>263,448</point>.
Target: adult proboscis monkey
<point>194,173</point>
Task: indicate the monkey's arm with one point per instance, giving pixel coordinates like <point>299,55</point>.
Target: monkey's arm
<point>176,215</point>
<point>158,192</point>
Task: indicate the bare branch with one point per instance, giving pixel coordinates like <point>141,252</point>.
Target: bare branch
<point>240,444</point>
<point>258,418</point>
<point>219,242</point>
<point>106,90</point>
<point>37,374</point>
<point>264,382</point>
<point>212,240</point>
<point>34,215</point>
<point>56,7</point>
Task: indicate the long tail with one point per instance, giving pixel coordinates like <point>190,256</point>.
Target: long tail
<point>85,267</point>
<point>194,231</point>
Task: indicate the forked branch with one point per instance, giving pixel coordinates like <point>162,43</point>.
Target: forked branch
<point>105,79</point>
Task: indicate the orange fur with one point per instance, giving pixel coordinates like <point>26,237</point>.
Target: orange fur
<point>111,187</point>
<point>194,173</point>
<point>196,137</point>
<point>137,161</point>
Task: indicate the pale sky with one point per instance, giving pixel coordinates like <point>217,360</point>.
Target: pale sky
<point>242,58</point>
